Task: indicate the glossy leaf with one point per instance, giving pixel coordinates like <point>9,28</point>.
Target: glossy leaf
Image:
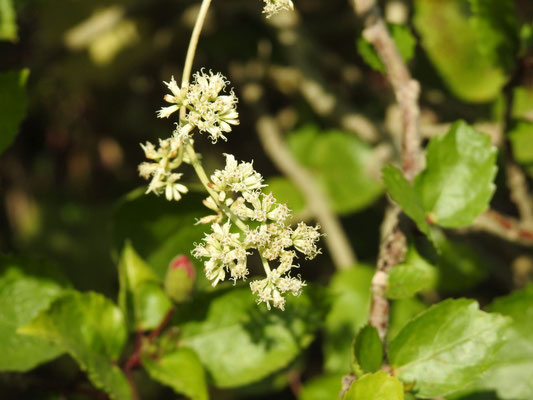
<point>446,347</point>
<point>350,294</point>
<point>26,288</point>
<point>140,291</point>
<point>367,350</point>
<point>13,104</point>
<point>403,193</point>
<point>457,184</point>
<point>451,44</point>
<point>240,342</point>
<point>415,274</point>
<point>512,375</point>
<point>335,158</point>
<point>181,370</point>
<point>93,331</point>
<point>378,386</point>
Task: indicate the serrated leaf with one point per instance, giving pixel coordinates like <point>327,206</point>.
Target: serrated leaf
<point>181,370</point>
<point>8,21</point>
<point>415,274</point>
<point>13,104</point>
<point>159,230</point>
<point>451,44</point>
<point>93,331</point>
<point>457,184</point>
<point>240,342</point>
<point>521,137</point>
<point>512,375</point>
<point>446,347</point>
<point>321,388</point>
<point>367,351</point>
<point>350,294</point>
<point>148,303</point>
<point>26,287</point>
<point>497,30</point>
<point>406,196</point>
<point>378,386</point>
<point>336,158</point>
<point>403,38</point>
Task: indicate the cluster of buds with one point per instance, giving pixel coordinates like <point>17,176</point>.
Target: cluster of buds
<point>236,193</point>
<point>238,190</point>
<point>272,7</point>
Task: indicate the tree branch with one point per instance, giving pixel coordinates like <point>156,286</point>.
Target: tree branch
<point>406,90</point>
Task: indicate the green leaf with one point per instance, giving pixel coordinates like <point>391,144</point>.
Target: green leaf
<point>523,101</point>
<point>240,342</point>
<point>181,370</point>
<point>446,347</point>
<point>336,158</point>
<point>321,388</point>
<point>457,184</point>
<point>93,331</point>
<point>521,137</point>
<point>415,274</point>
<point>497,30</point>
<point>512,375</point>
<point>13,104</point>
<point>405,195</point>
<point>8,21</point>
<point>453,47</point>
<point>401,312</point>
<point>404,40</point>
<point>26,287</point>
<point>378,386</point>
<point>158,229</point>
<point>285,192</point>
<point>367,350</point>
<point>350,293</point>
<point>141,291</point>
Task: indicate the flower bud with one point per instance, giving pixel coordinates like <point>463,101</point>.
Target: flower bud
<point>180,279</point>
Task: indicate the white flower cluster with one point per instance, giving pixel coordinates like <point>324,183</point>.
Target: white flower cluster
<point>160,169</point>
<point>207,109</point>
<point>272,7</point>
<point>273,238</point>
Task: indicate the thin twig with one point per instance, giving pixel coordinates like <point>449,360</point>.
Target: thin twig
<point>504,227</point>
<point>406,89</point>
<point>339,247</point>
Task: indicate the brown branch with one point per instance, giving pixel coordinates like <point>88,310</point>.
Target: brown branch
<point>406,90</point>
<point>504,227</point>
<point>135,359</point>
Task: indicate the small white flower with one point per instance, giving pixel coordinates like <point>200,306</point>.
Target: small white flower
<point>210,111</point>
<point>304,239</point>
<point>272,7</point>
<point>272,288</point>
<point>236,177</point>
<point>177,98</point>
